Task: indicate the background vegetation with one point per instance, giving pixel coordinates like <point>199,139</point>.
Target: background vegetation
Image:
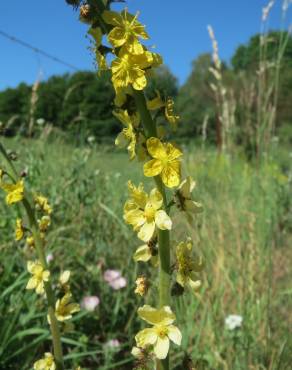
<point>81,104</point>
<point>58,135</point>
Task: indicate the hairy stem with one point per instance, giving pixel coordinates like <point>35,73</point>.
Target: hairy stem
<point>163,235</point>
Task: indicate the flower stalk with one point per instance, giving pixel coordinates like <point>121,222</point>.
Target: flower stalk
<point>38,243</point>
<point>163,235</point>
<point>146,125</point>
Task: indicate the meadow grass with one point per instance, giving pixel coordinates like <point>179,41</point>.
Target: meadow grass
<point>243,235</point>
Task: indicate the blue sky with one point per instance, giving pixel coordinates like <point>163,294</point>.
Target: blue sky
<point>177,29</point>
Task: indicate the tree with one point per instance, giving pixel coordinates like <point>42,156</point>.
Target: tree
<point>196,100</point>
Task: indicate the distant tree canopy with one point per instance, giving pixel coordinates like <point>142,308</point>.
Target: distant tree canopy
<point>247,57</point>
<point>81,103</point>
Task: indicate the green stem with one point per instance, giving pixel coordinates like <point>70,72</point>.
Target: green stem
<point>54,327</point>
<point>163,235</point>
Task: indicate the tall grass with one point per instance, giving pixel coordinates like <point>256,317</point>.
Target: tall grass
<point>243,236</point>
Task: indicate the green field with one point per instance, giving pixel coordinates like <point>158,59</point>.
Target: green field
<point>243,234</point>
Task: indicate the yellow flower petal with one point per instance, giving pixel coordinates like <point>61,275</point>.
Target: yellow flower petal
<point>170,174</point>
<point>146,337</point>
<point>152,168</point>
<point>143,253</point>
<point>64,277</point>
<point>139,80</point>
<point>162,316</point>
<point>117,37</point>
<point>146,232</point>
<point>32,283</point>
<point>174,334</point>
<point>161,347</point>
<point>135,218</point>
<point>162,220</point>
<point>155,199</point>
<point>15,192</point>
<point>138,194</point>
<point>194,285</point>
<point>156,149</point>
<point>172,151</point>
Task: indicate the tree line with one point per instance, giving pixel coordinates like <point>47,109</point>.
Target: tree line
<point>80,104</point>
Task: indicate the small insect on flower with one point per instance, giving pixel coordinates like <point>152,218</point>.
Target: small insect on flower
<point>162,331</point>
<point>39,276</point>
<point>19,231</point>
<point>233,321</point>
<point>46,363</point>
<point>15,192</point>
<point>64,308</point>
<point>165,162</point>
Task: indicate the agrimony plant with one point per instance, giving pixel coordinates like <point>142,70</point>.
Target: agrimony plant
<point>31,228</point>
<point>146,139</point>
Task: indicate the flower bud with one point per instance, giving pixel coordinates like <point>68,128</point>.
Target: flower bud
<point>142,286</point>
<point>85,14</point>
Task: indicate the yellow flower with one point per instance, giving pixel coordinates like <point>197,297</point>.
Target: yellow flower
<point>126,31</point>
<point>46,363</point>
<point>30,241</point>
<point>19,231</point>
<point>15,192</point>
<point>143,212</point>
<point>43,203</point>
<point>65,309</point>
<point>142,286</point>
<point>39,276</point>
<point>64,277</point>
<point>183,197</point>
<point>165,162</point>
<point>64,280</point>
<point>44,223</point>
<point>143,253</point>
<point>162,331</point>
<point>127,137</point>
<point>128,69</point>
<point>187,265</point>
<point>169,113</point>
